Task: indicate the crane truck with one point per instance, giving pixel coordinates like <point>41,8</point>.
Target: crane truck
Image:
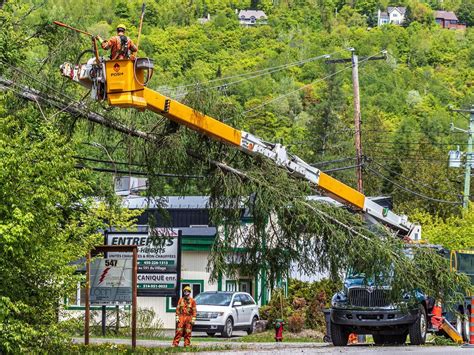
<point>123,83</point>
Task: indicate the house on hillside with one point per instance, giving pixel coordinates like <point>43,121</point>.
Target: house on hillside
<point>203,20</point>
<point>449,20</point>
<point>251,17</point>
<point>394,15</point>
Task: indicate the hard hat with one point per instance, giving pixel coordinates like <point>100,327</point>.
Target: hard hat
<point>187,288</point>
<point>121,25</point>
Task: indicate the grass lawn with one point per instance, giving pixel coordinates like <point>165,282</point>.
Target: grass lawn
<point>127,349</point>
<point>306,336</point>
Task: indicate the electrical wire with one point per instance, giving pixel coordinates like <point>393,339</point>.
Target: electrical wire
<point>139,173</point>
<point>95,160</point>
<point>370,160</point>
<point>234,82</point>
<point>377,173</point>
<point>413,143</point>
<point>331,161</point>
<point>305,86</point>
<point>259,72</point>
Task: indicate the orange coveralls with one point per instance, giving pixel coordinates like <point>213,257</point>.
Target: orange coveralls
<point>186,314</point>
<point>115,49</point>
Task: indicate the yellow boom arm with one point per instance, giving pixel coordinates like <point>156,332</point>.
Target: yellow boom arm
<point>123,83</point>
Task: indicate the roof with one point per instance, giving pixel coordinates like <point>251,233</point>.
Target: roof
<point>400,9</point>
<point>446,15</point>
<point>200,202</point>
<point>167,202</point>
<point>255,13</point>
<point>384,15</point>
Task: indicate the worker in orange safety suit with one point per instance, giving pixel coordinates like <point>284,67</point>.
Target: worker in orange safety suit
<point>185,317</point>
<point>121,47</point>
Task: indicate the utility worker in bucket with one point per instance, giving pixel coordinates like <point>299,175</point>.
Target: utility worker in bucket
<point>121,47</point>
<point>185,317</point>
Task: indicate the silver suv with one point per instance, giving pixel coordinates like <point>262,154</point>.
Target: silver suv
<point>223,312</point>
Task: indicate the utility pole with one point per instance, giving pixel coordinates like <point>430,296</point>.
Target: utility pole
<point>469,153</point>
<point>358,141</point>
<point>354,60</point>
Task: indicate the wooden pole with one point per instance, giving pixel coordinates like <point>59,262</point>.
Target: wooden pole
<point>134,298</point>
<point>88,308</point>
<point>358,141</point>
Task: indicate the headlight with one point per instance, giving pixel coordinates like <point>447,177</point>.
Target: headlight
<point>339,300</point>
<point>209,315</point>
<point>215,314</point>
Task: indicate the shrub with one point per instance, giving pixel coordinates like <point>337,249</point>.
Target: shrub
<point>277,308</point>
<point>296,322</point>
<point>314,312</point>
<point>298,303</point>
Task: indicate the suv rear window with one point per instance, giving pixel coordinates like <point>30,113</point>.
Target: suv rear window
<point>214,299</point>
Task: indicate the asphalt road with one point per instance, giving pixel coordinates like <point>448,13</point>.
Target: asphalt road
<point>299,348</point>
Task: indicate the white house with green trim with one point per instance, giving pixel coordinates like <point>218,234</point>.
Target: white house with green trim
<point>189,214</point>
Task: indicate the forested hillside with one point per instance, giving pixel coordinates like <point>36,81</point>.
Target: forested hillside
<point>404,99</point>
<point>272,80</point>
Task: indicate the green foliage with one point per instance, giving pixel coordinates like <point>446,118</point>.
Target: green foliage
<point>296,322</point>
<point>454,233</point>
<point>405,129</point>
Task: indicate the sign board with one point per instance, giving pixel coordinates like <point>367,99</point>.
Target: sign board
<point>111,281</point>
<point>158,259</point>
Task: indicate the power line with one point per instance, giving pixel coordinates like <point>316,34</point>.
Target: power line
<point>139,173</point>
<point>305,86</point>
<point>342,168</point>
<point>235,82</point>
<point>107,161</point>
<point>414,143</point>
<point>264,71</point>
<point>331,161</point>
<point>407,178</point>
<point>409,190</point>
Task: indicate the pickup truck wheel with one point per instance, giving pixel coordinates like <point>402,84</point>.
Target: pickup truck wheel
<point>418,329</point>
<point>339,335</point>
<point>228,327</point>
<point>252,326</point>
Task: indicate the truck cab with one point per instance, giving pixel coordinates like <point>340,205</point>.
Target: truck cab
<point>363,307</point>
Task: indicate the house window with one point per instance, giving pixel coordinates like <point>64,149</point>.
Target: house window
<point>242,285</point>
<point>231,285</point>
<point>245,286</point>
<point>197,286</point>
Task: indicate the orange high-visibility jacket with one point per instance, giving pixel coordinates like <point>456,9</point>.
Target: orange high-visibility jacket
<point>115,47</point>
<point>186,307</point>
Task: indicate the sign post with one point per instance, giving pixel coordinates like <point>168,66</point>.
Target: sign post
<point>158,259</point>
<point>114,281</point>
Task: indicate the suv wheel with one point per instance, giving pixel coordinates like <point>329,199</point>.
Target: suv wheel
<point>228,327</point>
<point>252,326</point>
<point>418,329</point>
<point>339,335</point>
